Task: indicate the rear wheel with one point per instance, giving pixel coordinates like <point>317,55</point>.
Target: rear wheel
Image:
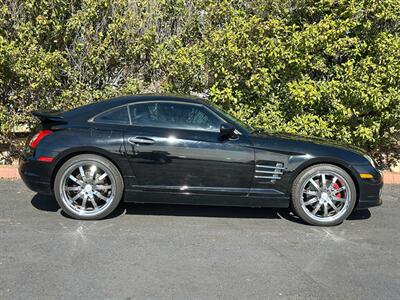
<point>323,195</point>
<point>88,187</point>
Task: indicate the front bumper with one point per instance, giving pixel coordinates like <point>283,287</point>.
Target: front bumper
<point>36,175</point>
<point>370,190</point>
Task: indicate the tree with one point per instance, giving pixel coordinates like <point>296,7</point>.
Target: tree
<point>323,68</point>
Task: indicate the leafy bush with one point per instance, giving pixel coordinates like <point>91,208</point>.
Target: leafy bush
<point>325,68</point>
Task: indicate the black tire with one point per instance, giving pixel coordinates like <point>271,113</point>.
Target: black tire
<point>299,192</point>
<point>115,186</point>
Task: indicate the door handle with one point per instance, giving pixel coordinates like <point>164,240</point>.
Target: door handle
<point>140,140</point>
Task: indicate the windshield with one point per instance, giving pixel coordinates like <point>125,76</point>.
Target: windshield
<point>232,118</point>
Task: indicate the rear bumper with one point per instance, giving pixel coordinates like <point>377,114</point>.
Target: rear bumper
<point>36,175</point>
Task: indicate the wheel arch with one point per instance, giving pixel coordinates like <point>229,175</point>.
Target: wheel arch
<point>66,155</point>
<point>336,162</point>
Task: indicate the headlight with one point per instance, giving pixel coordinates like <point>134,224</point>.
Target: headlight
<point>371,161</point>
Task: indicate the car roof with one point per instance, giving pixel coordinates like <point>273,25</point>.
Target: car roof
<point>152,97</point>
<point>87,111</point>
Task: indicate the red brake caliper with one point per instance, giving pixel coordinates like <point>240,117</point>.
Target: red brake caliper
<point>336,186</point>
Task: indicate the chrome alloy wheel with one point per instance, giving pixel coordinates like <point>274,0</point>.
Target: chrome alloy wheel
<point>325,196</point>
<point>87,189</point>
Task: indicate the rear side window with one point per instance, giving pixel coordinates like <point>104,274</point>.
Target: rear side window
<point>174,115</point>
<point>117,115</point>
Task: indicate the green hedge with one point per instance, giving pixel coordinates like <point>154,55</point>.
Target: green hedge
<point>323,68</point>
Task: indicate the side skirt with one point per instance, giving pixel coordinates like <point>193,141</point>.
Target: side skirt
<point>189,198</point>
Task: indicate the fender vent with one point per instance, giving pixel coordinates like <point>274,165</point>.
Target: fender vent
<point>269,171</point>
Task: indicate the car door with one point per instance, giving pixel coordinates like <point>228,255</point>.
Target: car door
<point>176,146</point>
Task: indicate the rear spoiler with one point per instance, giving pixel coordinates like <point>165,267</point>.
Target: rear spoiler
<point>49,117</point>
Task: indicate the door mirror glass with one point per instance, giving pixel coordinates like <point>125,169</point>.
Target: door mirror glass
<point>227,130</point>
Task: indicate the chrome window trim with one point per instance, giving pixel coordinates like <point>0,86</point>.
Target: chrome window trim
<point>92,119</point>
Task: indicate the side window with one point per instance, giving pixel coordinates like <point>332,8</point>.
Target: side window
<point>174,115</point>
<point>117,115</point>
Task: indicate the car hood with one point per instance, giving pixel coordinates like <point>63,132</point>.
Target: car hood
<point>308,139</point>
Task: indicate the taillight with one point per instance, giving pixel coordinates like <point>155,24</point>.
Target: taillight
<point>38,137</point>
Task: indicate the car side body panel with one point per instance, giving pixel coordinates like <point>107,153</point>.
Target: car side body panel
<point>189,160</point>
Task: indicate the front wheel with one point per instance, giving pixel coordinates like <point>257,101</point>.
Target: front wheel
<point>323,195</point>
<point>88,187</point>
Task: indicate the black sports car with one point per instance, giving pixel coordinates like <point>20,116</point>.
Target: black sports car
<point>169,149</point>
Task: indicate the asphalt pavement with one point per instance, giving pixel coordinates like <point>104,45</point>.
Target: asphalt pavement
<point>151,251</point>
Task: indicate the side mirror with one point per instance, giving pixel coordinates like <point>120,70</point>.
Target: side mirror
<point>227,130</point>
